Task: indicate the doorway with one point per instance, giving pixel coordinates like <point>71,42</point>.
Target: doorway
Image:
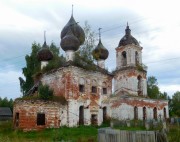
<point>81,115</point>
<point>94,119</point>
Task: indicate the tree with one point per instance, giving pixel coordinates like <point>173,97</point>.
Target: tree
<point>152,87</point>
<point>163,95</point>
<point>89,43</point>
<point>32,66</point>
<point>175,104</point>
<point>83,57</point>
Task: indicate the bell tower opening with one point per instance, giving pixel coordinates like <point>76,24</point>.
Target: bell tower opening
<point>139,85</point>
<point>124,58</point>
<point>136,58</point>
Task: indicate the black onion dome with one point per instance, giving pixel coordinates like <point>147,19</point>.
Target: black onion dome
<point>45,54</point>
<point>128,38</point>
<point>70,42</point>
<point>100,52</point>
<point>75,28</point>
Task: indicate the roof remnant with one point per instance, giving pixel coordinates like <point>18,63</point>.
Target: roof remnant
<point>5,111</point>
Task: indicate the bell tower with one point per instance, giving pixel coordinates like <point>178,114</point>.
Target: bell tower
<point>130,74</point>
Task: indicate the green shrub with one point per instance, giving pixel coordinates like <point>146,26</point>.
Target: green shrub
<point>45,93</point>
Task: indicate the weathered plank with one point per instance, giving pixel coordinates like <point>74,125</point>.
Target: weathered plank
<point>111,135</point>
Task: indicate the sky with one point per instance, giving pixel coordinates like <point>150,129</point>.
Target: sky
<point>155,24</point>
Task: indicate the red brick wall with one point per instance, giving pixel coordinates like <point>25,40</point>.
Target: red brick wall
<point>28,110</point>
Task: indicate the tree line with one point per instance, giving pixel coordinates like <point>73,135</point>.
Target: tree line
<point>154,92</point>
<point>5,102</point>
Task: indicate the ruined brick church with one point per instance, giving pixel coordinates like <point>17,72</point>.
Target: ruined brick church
<point>89,93</point>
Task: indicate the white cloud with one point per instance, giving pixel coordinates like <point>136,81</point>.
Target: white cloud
<point>9,83</point>
<point>170,89</point>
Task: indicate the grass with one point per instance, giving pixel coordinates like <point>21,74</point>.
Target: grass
<point>174,133</point>
<point>75,134</point>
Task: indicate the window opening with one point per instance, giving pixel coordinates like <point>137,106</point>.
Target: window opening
<point>104,90</point>
<point>94,89</point>
<point>81,88</point>
<point>40,119</point>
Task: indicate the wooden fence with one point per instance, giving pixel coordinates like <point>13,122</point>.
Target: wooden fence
<point>111,135</point>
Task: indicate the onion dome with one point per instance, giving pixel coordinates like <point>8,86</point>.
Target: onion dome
<point>75,28</point>
<point>128,38</point>
<point>45,54</point>
<point>100,52</point>
<point>70,42</point>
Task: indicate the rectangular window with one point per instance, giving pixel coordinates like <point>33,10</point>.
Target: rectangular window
<point>81,88</point>
<point>40,119</point>
<point>94,89</point>
<point>104,90</point>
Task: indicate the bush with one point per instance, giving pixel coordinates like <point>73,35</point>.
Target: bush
<point>45,93</point>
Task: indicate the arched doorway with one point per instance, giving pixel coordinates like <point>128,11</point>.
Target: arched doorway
<point>144,113</point>
<point>104,114</point>
<point>135,113</point>
<point>81,115</point>
<point>155,113</point>
<point>94,119</point>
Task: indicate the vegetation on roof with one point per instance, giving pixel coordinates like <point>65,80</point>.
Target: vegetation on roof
<point>83,59</point>
<point>44,93</point>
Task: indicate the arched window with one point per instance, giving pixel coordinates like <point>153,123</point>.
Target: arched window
<point>81,115</point>
<point>124,58</point>
<point>104,114</point>
<point>135,113</point>
<point>136,58</point>
<point>164,113</point>
<point>155,113</point>
<point>81,85</point>
<point>139,85</point>
<point>104,88</point>
<point>94,87</point>
<point>144,113</point>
